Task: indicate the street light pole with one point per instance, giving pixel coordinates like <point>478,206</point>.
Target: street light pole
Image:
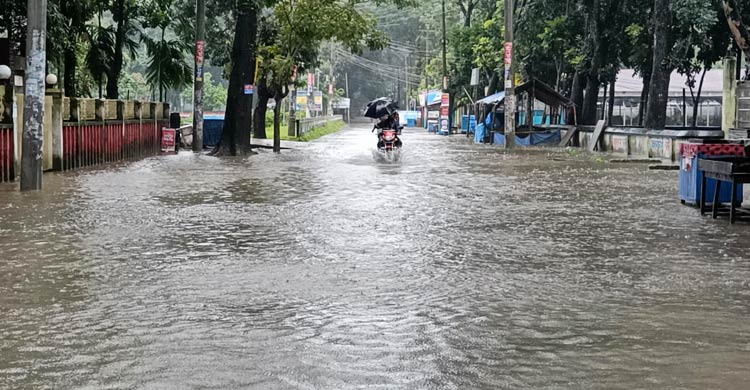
<point>510,95</point>
<point>198,81</point>
<point>447,119</point>
<point>33,104</point>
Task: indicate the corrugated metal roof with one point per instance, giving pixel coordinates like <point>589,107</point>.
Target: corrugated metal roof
<point>629,84</point>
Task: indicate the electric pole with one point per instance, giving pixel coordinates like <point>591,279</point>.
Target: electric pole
<point>510,94</point>
<point>33,105</point>
<point>198,81</point>
<point>445,110</point>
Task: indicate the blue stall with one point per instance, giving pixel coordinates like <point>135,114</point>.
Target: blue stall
<point>690,178</point>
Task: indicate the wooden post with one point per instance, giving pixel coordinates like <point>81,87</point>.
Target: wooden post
<point>33,103</point>
<point>198,81</point>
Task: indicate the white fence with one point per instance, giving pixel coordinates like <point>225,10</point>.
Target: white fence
<point>307,124</point>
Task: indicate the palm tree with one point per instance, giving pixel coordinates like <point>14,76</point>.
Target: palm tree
<point>101,54</point>
<point>167,67</point>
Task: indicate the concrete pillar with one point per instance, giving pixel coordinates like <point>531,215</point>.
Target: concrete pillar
<point>729,95</point>
<point>57,130</point>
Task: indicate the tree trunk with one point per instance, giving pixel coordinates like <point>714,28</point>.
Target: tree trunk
<point>259,116</point>
<point>658,94</point>
<point>277,125</point>
<point>591,97</point>
<point>69,63</point>
<point>492,85</point>
<point>114,72</point>
<point>235,136</point>
<point>644,98</point>
<point>576,91</point>
<point>611,108</point>
<point>697,98</point>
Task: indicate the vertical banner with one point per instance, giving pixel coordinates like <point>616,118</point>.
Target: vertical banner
<point>508,55</point>
<point>199,47</point>
<point>444,111</point>
<point>310,81</point>
<point>317,101</point>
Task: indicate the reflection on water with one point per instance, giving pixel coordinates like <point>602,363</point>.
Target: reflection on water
<point>459,267</point>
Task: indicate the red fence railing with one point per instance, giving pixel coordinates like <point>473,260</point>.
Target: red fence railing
<point>91,144</point>
<point>7,149</point>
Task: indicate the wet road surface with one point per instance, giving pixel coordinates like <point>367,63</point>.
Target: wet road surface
<point>459,267</point>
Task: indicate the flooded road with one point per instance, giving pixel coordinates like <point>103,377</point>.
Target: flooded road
<point>460,267</point>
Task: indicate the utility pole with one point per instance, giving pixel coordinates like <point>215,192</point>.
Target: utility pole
<point>348,117</point>
<point>445,60</point>
<point>447,119</point>
<point>510,94</point>
<point>33,105</point>
<point>198,81</point>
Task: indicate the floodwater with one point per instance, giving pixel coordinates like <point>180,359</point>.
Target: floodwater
<point>457,267</point>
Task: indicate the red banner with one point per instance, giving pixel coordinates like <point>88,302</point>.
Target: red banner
<point>508,52</point>
<point>167,139</point>
<point>199,45</point>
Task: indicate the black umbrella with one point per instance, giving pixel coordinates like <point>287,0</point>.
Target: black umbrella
<point>380,107</point>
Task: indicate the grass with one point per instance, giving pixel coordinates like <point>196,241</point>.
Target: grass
<point>328,128</point>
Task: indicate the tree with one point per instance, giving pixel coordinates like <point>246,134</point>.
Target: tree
<point>302,26</point>
<point>235,136</point>
<point>167,67</point>
<point>101,54</point>
<point>126,37</point>
<point>702,39</point>
<point>661,67</point>
<point>68,20</point>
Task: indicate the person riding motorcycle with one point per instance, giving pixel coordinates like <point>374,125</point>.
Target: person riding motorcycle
<point>389,122</point>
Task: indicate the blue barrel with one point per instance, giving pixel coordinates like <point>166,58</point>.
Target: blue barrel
<point>212,128</point>
<point>411,122</point>
<point>464,123</point>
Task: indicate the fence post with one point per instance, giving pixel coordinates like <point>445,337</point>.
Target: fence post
<point>137,114</point>
<point>153,143</point>
<point>121,119</point>
<point>101,117</point>
<point>57,130</point>
<point>75,116</point>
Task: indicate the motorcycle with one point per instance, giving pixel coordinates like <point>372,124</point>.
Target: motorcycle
<point>388,139</point>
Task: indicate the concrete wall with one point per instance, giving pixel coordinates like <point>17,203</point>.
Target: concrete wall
<point>643,143</point>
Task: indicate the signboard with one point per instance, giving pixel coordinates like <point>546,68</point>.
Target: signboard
<point>168,139</point>
<point>444,111</point>
<point>330,89</point>
<point>248,89</point>
<point>444,125</point>
<point>317,101</point>
<point>301,100</point>
<point>433,114</point>
<point>475,76</point>
<point>445,100</point>
<point>342,103</point>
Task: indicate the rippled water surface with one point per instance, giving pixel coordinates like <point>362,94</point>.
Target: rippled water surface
<point>459,267</point>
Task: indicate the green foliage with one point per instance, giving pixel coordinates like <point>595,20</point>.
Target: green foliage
<point>214,94</point>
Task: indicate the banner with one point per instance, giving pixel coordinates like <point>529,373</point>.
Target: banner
<point>317,101</point>
<point>342,103</point>
<point>301,100</point>
<point>167,139</point>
